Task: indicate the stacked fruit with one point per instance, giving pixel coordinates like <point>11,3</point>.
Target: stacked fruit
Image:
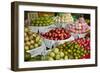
<point>43,21</point>
<point>84,42</point>
<point>64,18</point>
<point>57,34</point>
<point>69,50</point>
<point>79,27</point>
<point>31,40</point>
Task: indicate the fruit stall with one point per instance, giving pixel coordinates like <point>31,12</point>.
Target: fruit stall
<point>50,36</point>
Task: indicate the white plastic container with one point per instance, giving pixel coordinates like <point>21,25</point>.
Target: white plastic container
<point>53,43</point>
<point>41,29</point>
<point>38,51</point>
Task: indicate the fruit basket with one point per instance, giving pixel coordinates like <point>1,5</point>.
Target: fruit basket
<point>33,43</point>
<point>77,49</point>
<point>38,51</point>
<point>41,29</point>
<point>80,28</point>
<point>42,23</point>
<point>56,36</point>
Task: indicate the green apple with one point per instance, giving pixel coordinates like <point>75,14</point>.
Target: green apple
<point>50,59</point>
<point>26,48</point>
<point>57,57</point>
<point>61,54</point>
<point>55,50</point>
<point>52,54</point>
<point>65,57</point>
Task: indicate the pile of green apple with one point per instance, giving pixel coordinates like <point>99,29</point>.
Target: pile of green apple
<point>31,40</point>
<point>68,50</point>
<point>43,21</point>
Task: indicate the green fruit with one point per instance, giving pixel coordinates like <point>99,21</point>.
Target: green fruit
<point>52,54</point>
<point>27,56</point>
<point>50,59</point>
<point>26,38</point>
<point>56,50</point>
<point>35,45</point>
<point>37,39</point>
<point>31,46</point>
<point>75,54</point>
<point>71,57</point>
<point>66,57</point>
<point>57,57</point>
<point>69,50</point>
<point>32,41</point>
<point>28,43</point>
<point>61,54</point>
<point>26,29</point>
<point>34,35</point>
<point>76,57</point>
<point>66,53</point>
<point>26,48</point>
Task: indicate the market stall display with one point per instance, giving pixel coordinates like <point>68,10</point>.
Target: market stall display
<point>57,36</point>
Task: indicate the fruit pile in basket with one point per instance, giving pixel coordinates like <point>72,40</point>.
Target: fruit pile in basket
<point>43,21</point>
<point>57,34</point>
<point>70,50</point>
<point>80,26</point>
<point>31,40</point>
<point>64,18</point>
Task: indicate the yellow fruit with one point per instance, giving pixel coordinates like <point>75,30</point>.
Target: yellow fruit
<point>61,54</point>
<point>31,46</point>
<point>26,29</point>
<point>25,34</point>
<point>26,48</point>
<point>30,33</point>
<point>66,57</point>
<point>57,57</point>
<point>52,54</point>
<point>28,43</point>
<point>32,42</point>
<point>37,39</point>
<point>31,37</point>
<point>26,38</point>
<point>34,35</point>
<point>35,45</point>
<point>50,59</point>
<point>56,50</point>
